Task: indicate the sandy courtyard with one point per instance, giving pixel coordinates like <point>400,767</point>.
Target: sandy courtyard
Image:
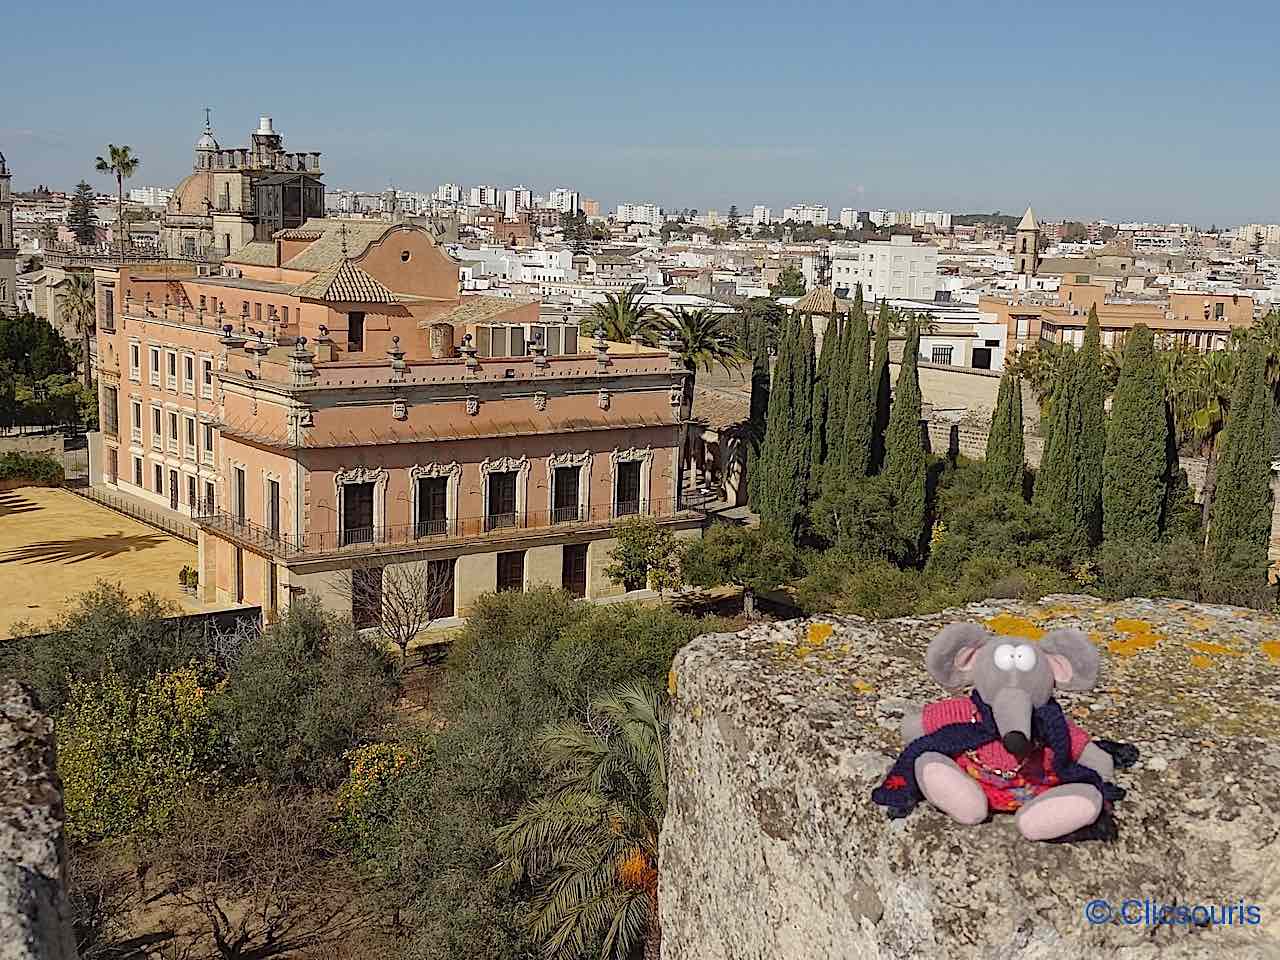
<point>54,545</point>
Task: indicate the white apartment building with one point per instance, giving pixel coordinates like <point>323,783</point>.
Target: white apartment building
<point>514,199</point>
<point>807,213</point>
<point>895,268</point>
<point>649,213</point>
<point>483,196</point>
<point>761,216</point>
<point>448,193</point>
<point>150,196</point>
<point>564,200</point>
<point>848,218</point>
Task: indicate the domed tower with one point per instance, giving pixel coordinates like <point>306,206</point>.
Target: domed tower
<point>206,146</point>
<point>8,245</point>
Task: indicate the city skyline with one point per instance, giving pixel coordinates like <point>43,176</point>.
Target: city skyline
<point>742,104</point>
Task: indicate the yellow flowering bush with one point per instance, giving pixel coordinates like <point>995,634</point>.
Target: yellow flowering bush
<point>366,799</point>
<point>128,750</point>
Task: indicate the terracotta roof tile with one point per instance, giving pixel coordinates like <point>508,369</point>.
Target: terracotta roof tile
<point>344,283</point>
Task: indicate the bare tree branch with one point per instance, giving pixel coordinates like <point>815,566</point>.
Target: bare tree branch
<point>401,600</point>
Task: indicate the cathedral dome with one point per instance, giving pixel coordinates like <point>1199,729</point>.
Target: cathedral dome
<point>206,142</point>
<point>193,196</point>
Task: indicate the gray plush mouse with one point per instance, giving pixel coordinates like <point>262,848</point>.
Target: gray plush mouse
<point>1007,746</point>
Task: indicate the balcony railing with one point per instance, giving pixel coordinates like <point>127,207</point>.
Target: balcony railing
<point>428,533</point>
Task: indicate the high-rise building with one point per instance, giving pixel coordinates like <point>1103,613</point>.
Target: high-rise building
<point>807,213</point>
<point>516,199</point>
<point>849,218</point>
<point>590,207</point>
<point>484,196</point>
<point>761,216</point>
<point>448,193</point>
<point>564,200</point>
<point>8,245</point>
<point>649,213</point>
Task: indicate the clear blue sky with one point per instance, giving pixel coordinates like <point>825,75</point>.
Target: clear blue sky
<point>1126,110</point>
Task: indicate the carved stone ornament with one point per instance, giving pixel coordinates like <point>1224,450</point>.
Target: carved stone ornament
<point>473,406</point>
<point>603,400</point>
<point>420,470</point>
<point>539,401</point>
<point>504,465</point>
<point>361,475</point>
<point>399,409</point>
<point>568,460</point>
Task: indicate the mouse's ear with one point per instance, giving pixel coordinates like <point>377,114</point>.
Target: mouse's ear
<point>1072,657</point>
<point>952,653</point>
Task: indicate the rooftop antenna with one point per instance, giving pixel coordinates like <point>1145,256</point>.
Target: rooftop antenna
<point>342,235</point>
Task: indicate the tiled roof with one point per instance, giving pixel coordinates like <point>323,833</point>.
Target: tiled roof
<point>719,409</point>
<point>297,233</point>
<point>478,309</point>
<point>820,300</point>
<point>344,282</point>
<point>256,253</point>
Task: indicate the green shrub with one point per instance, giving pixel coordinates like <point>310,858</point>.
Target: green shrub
<point>758,558</point>
<point>128,751</point>
<point>367,798</point>
<point>103,631</point>
<point>37,469</point>
<point>1002,526</point>
<point>1171,569</point>
<point>859,519</point>
<point>302,692</point>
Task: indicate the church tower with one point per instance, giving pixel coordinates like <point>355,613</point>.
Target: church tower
<point>1026,245</point>
<point>8,245</point>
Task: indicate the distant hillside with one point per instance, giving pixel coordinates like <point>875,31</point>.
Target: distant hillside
<point>991,219</point>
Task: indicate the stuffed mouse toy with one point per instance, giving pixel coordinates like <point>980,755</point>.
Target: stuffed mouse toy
<point>1007,746</point>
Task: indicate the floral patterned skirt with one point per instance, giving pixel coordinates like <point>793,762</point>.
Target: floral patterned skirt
<point>1006,791</point>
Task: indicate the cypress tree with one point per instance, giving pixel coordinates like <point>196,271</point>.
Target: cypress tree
<point>880,389</point>
<point>759,415</point>
<point>807,460</point>
<point>904,463</point>
<point>837,397</point>
<point>1091,403</point>
<point>860,406</point>
<point>783,488</point>
<point>1005,463</point>
<point>1053,479</point>
<point>1240,522</point>
<point>81,219</point>
<point>821,380</point>
<point>1135,467</point>
<point>1070,480</point>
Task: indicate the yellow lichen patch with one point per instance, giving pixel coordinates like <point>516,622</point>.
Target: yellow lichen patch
<point>1199,623</point>
<point>1133,626</point>
<point>671,682</point>
<point>1272,649</point>
<point>1213,649</point>
<point>817,634</point>
<point>1012,625</point>
<point>862,686</point>
<point>1135,636</point>
<point>1201,661</point>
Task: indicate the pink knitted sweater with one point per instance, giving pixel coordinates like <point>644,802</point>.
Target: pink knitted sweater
<point>941,713</point>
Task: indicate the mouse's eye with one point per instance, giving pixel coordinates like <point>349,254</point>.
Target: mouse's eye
<point>1004,656</point>
<point>1024,658</point>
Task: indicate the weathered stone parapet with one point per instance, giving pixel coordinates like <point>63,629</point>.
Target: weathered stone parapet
<point>773,850</point>
<point>34,914</point>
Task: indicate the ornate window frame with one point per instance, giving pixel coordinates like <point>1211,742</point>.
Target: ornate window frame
<point>346,476</point>
<point>452,472</point>
<point>643,455</point>
<point>520,467</point>
<point>268,475</point>
<point>569,459</point>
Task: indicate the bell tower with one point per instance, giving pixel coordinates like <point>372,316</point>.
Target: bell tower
<point>8,245</point>
<point>1026,245</point>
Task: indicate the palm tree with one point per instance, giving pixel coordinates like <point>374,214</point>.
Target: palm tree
<point>624,316</point>
<point>1199,394</point>
<point>77,303</point>
<point>1267,330</point>
<point>589,846</point>
<point>703,340</point>
<point>120,162</point>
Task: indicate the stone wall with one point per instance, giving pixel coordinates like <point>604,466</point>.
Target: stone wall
<point>773,849</point>
<point>34,913</point>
